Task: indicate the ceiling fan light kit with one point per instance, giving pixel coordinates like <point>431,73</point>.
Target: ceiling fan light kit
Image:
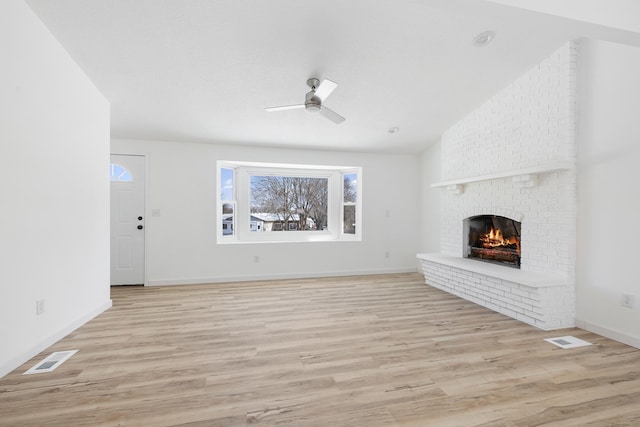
<point>313,100</point>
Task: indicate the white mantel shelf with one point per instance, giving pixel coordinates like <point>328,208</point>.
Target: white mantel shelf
<point>535,170</point>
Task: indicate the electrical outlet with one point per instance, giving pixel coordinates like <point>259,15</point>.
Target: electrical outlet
<point>39,307</point>
<point>627,300</point>
<point>386,254</point>
<point>256,259</point>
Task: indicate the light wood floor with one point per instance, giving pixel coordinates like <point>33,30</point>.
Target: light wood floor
<point>359,351</point>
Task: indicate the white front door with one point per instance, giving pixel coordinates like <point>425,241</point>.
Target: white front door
<point>127,219</point>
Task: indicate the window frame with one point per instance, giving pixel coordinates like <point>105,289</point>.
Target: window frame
<point>355,204</point>
<point>222,202</point>
<point>243,171</point>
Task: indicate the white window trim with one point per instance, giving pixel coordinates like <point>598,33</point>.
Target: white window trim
<point>220,203</point>
<point>335,211</point>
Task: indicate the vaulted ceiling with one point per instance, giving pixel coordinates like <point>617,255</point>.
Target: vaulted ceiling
<point>202,70</point>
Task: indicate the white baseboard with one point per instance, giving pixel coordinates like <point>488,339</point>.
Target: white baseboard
<point>202,280</point>
<point>609,333</point>
<point>52,339</point>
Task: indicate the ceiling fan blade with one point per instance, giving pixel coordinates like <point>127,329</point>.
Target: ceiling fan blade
<point>284,107</point>
<point>331,115</point>
<point>326,87</point>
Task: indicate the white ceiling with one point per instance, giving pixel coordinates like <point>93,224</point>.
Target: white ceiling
<point>203,70</point>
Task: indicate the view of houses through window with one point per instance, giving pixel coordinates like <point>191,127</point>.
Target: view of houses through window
<point>287,200</point>
<point>227,198</point>
<point>288,203</point>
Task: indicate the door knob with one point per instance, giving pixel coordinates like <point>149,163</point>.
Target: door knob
<point>140,227</point>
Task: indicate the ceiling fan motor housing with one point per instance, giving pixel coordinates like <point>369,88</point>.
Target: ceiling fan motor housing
<point>312,103</point>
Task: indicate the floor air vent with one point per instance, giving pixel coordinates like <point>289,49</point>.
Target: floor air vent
<point>568,342</point>
<point>51,362</point>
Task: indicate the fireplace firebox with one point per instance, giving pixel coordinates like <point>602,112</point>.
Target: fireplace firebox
<point>493,238</point>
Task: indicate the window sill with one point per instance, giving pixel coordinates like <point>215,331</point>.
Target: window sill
<point>228,240</point>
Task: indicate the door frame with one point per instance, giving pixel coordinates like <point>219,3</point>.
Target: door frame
<point>147,210</point>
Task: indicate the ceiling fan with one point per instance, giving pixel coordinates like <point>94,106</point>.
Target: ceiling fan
<point>313,100</point>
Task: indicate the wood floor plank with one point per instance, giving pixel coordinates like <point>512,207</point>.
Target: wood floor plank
<point>383,350</point>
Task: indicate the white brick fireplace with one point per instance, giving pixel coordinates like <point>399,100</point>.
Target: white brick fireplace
<point>515,157</point>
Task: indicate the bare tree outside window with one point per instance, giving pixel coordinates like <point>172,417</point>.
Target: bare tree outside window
<point>290,202</point>
<point>227,208</point>
<point>350,187</point>
<point>349,200</point>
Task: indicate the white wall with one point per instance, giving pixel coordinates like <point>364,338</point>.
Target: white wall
<point>430,216</point>
<point>608,193</point>
<point>182,247</point>
<point>54,220</point>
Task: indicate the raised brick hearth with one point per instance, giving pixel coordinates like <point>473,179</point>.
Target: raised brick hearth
<point>542,301</point>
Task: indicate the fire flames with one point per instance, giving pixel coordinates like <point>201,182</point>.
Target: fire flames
<point>495,239</point>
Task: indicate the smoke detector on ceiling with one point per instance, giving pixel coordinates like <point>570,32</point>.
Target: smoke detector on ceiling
<point>484,38</point>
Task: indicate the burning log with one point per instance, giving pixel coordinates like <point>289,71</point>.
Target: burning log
<point>508,255</point>
<point>495,239</point>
